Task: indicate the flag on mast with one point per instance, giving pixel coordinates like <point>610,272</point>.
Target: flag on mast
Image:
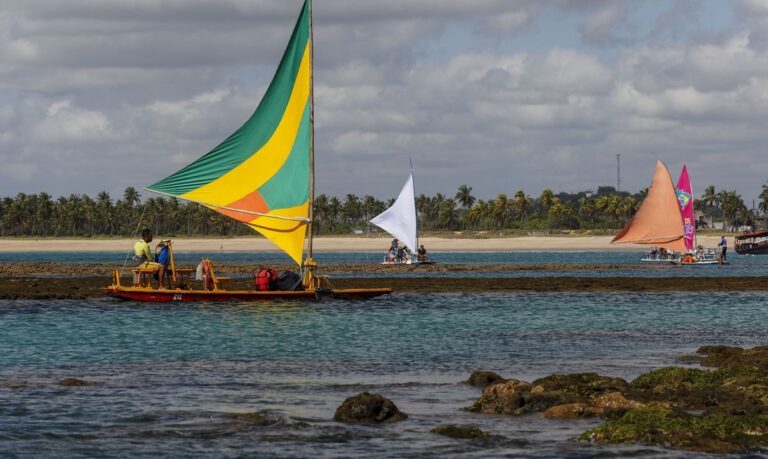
<point>685,199</point>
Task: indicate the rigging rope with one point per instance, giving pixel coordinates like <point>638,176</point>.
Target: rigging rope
<point>125,262</point>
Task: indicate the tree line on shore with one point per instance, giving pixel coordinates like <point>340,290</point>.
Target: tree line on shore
<point>76,215</point>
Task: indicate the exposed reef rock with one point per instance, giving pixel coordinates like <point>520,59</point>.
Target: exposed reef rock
<point>75,382</point>
<point>579,391</point>
<point>367,408</point>
<point>719,410</point>
<point>460,432</point>
<point>484,378</point>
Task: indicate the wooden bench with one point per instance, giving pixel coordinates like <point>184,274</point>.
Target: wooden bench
<point>142,277</point>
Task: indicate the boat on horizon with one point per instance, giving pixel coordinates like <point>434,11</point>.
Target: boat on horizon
<point>752,243</point>
<point>401,222</point>
<point>665,221</point>
<point>263,176</point>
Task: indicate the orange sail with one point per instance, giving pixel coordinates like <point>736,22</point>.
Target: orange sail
<point>658,221</point>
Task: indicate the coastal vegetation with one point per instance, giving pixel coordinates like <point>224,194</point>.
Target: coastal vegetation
<point>76,215</point>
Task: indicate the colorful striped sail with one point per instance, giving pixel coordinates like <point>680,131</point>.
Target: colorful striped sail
<point>685,199</point>
<point>260,175</point>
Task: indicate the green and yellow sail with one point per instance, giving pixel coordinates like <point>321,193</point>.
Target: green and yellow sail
<point>260,175</point>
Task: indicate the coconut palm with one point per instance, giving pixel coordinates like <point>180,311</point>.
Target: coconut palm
<point>501,210</point>
<point>131,196</point>
<point>710,199</point>
<point>479,212</point>
<point>763,206</point>
<point>464,197</point>
<point>522,205</point>
<point>546,199</point>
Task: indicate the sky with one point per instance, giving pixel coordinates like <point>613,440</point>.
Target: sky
<point>499,95</point>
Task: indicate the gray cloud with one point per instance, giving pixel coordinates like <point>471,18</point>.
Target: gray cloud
<point>105,94</point>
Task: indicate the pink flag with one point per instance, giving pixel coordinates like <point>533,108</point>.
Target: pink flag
<point>685,199</point>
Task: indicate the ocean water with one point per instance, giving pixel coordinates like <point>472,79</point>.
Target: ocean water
<point>168,377</point>
<point>628,263</point>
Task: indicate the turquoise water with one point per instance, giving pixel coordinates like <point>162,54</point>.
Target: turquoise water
<point>168,375</point>
<point>627,263</point>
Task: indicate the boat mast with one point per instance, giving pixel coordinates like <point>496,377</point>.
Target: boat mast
<point>413,181</point>
<point>311,134</point>
<point>695,233</point>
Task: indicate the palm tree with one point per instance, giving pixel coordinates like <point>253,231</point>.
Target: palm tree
<point>710,199</point>
<point>131,196</point>
<point>446,217</point>
<point>763,206</point>
<point>627,208</point>
<point>587,208</point>
<point>464,197</point>
<point>501,210</point>
<point>45,211</point>
<point>731,204</point>
<point>546,199</point>
<point>479,212</point>
<point>352,209</point>
<point>320,213</point>
<point>522,204</point>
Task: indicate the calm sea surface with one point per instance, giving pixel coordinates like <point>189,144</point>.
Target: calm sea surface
<point>627,263</point>
<point>168,377</point>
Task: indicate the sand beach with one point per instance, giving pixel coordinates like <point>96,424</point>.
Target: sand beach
<point>339,244</point>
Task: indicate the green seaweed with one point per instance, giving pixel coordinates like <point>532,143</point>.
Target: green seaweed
<point>660,424</point>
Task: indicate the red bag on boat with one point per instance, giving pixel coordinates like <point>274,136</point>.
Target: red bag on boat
<point>265,279</point>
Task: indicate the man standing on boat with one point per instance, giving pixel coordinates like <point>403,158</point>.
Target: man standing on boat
<point>723,248</point>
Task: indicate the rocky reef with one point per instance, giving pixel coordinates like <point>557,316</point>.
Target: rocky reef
<point>460,432</point>
<point>718,410</point>
<point>367,408</point>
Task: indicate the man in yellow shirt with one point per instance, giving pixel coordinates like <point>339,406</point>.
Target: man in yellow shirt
<point>143,255</point>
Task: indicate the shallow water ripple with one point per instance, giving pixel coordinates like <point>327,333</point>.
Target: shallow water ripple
<point>169,380</point>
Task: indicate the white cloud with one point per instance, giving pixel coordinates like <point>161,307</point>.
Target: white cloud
<point>65,123</point>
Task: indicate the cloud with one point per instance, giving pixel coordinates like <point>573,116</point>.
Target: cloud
<point>498,94</point>
<point>67,124</point>
<point>604,24</point>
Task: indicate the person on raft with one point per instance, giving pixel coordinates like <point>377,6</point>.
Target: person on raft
<point>143,256</point>
<point>421,254</point>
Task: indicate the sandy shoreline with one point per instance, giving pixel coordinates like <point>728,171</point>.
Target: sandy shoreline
<point>340,244</point>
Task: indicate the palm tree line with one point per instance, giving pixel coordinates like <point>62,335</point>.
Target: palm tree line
<point>40,215</point>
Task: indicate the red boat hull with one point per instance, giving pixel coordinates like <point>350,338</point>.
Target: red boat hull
<point>166,295</point>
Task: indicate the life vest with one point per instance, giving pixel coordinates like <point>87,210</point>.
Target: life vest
<point>265,279</point>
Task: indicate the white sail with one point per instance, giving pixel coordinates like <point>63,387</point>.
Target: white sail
<point>400,219</point>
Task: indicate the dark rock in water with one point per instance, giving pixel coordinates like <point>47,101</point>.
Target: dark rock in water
<point>570,411</point>
<point>690,358</point>
<point>581,384</point>
<point>611,405</point>
<point>14,384</point>
<point>734,357</point>
<point>519,397</point>
<point>502,398</point>
<point>463,432</point>
<point>74,382</point>
<point>484,378</point>
<point>244,420</point>
<point>368,408</point>
<point>663,425</point>
<point>727,390</point>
